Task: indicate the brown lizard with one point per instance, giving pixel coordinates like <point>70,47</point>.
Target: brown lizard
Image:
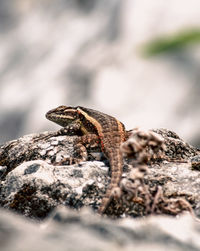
<point>109,130</point>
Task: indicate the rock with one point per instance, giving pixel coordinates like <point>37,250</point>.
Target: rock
<point>35,188</point>
<point>158,179</point>
<point>96,61</point>
<point>35,183</point>
<point>71,230</point>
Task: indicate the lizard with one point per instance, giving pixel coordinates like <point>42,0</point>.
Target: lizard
<point>110,132</point>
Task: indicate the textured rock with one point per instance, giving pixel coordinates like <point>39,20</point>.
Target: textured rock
<point>43,190</point>
<point>71,230</point>
<point>35,187</point>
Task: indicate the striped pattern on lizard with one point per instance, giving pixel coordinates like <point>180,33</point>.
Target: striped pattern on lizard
<point>109,130</point>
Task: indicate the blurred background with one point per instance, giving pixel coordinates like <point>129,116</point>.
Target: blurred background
<point>137,60</point>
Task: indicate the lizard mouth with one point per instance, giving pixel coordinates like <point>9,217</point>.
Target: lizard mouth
<point>60,119</point>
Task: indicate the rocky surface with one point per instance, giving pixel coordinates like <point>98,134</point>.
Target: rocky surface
<point>35,188</point>
<point>158,179</point>
<point>71,230</point>
<point>37,180</point>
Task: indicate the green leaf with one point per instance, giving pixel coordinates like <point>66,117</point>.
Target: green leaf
<point>169,43</point>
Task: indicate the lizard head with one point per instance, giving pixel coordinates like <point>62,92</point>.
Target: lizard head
<point>63,115</point>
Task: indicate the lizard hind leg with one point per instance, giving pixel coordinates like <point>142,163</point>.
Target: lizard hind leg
<point>80,153</point>
<point>81,145</point>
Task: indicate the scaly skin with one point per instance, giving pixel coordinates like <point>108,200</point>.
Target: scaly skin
<point>110,131</point>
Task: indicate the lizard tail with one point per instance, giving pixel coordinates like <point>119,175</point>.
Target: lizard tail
<point>116,164</point>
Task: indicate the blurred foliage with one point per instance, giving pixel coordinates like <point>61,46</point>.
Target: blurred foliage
<point>169,43</point>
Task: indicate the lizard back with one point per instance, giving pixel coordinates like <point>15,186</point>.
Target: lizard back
<point>111,133</point>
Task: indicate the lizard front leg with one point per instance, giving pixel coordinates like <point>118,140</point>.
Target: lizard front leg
<point>72,129</point>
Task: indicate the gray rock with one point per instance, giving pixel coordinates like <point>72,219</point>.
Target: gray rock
<point>44,191</point>
<point>34,188</point>
<point>71,230</point>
